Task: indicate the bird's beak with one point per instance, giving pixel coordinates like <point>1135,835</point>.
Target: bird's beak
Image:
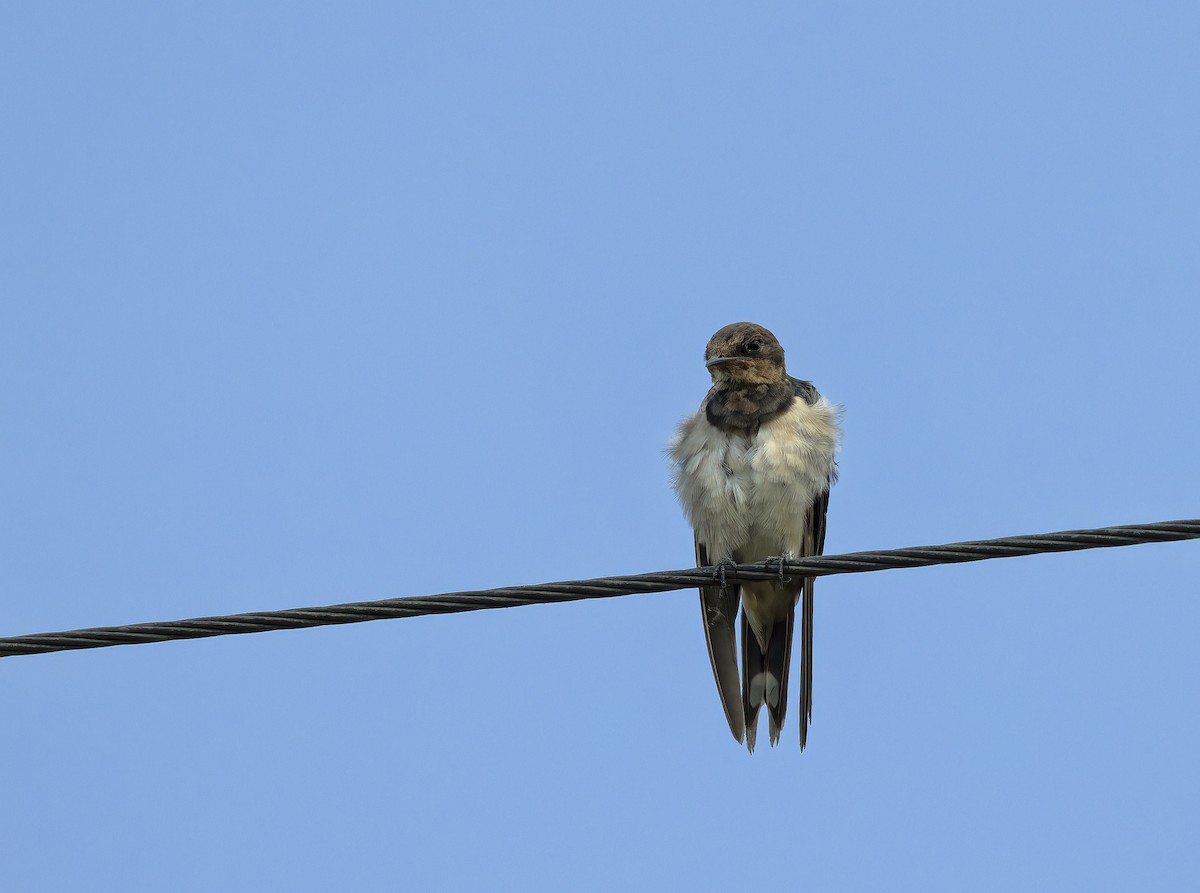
<point>718,361</point>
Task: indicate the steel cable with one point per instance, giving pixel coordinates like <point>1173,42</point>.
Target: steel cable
<point>604,587</point>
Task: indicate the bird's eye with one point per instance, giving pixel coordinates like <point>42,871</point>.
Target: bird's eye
<point>754,346</point>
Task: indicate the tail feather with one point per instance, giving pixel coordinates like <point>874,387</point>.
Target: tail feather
<point>752,666</point>
<point>806,660</point>
<point>765,676</point>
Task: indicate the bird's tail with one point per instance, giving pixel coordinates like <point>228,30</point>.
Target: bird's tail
<point>765,675</point>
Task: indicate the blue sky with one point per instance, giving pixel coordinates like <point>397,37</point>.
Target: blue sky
<point>306,303</point>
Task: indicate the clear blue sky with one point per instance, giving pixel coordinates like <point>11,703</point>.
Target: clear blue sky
<point>306,303</point>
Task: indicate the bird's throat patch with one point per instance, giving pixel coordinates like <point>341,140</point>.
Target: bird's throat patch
<point>743,407</point>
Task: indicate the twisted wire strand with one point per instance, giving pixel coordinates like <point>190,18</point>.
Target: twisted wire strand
<point>603,587</point>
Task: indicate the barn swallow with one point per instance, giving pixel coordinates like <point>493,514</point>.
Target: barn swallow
<point>753,470</point>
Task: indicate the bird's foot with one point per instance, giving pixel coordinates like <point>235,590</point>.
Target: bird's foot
<point>722,566</point>
<point>782,562</point>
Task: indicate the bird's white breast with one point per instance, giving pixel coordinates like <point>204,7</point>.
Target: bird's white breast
<point>748,495</point>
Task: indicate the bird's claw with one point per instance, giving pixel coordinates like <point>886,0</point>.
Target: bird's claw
<point>725,564</point>
<point>782,562</point>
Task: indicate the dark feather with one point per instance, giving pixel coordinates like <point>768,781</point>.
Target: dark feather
<point>778,662</point>
<point>719,611</point>
<point>805,390</point>
<point>774,662</point>
<point>814,544</point>
<point>752,665</point>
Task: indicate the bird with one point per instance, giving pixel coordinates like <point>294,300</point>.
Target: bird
<point>752,469</point>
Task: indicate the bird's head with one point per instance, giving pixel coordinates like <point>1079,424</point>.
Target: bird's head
<point>744,353</point>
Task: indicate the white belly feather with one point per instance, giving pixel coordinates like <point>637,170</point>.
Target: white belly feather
<point>747,495</point>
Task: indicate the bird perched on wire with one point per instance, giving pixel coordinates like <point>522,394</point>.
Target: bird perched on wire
<point>753,469</point>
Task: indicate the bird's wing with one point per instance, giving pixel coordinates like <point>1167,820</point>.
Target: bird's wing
<point>814,544</point>
<point>719,608</point>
